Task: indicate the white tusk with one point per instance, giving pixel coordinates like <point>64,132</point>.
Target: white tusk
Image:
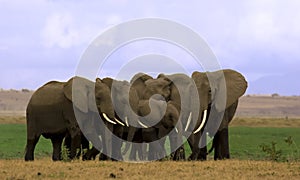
<point>119,122</point>
<point>202,123</point>
<point>144,126</point>
<point>176,129</point>
<point>188,122</point>
<point>126,121</point>
<point>107,119</point>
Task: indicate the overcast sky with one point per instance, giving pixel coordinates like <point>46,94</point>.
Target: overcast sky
<point>43,40</point>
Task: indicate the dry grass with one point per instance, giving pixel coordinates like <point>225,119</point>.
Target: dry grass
<point>229,169</point>
<point>265,122</point>
<point>7,119</point>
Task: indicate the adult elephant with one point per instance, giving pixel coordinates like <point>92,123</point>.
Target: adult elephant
<point>183,93</point>
<point>51,113</point>
<point>125,113</point>
<point>218,92</point>
<point>154,91</point>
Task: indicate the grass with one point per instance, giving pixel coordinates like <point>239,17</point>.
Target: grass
<point>227,169</point>
<point>13,142</point>
<point>245,142</point>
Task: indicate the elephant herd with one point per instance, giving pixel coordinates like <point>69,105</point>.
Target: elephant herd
<point>138,115</point>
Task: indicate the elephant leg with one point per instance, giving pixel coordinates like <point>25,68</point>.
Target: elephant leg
<point>75,146</point>
<point>221,145</point>
<point>142,151</point>
<point>116,150</point>
<point>203,148</point>
<point>85,144</point>
<point>91,154</point>
<point>30,146</point>
<point>179,154</point>
<point>117,144</point>
<point>156,151</point>
<point>177,147</point>
<point>194,140</point>
<point>56,143</point>
<point>133,151</point>
<point>107,142</point>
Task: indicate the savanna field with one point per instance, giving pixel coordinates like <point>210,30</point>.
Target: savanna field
<point>264,144</point>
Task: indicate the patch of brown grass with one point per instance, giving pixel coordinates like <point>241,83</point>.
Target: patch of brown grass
<point>227,169</point>
<point>7,119</point>
<point>265,122</point>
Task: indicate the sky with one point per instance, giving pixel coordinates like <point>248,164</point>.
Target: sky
<point>43,40</point>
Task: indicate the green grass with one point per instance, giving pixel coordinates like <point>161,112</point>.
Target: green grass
<point>13,142</point>
<point>244,142</point>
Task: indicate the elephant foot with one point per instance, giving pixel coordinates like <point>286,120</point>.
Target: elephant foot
<point>103,157</point>
<point>221,145</point>
<point>91,154</point>
<point>179,154</point>
<point>28,158</point>
<point>202,156</point>
<point>193,157</point>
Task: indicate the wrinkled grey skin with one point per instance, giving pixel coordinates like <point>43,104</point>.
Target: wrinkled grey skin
<point>158,131</point>
<point>50,113</point>
<point>183,93</point>
<point>146,87</point>
<point>218,101</point>
<point>120,94</point>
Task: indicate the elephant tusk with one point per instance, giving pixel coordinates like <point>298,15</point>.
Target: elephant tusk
<point>188,122</point>
<point>126,121</point>
<point>119,122</point>
<point>202,123</point>
<point>176,129</point>
<point>144,126</point>
<point>107,119</point>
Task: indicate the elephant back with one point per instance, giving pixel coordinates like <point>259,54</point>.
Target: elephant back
<point>49,94</point>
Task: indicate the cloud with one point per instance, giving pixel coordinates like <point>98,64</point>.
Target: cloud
<point>59,31</point>
<point>62,29</point>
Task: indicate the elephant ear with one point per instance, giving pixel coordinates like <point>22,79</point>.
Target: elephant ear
<point>81,90</point>
<point>235,84</point>
<point>138,82</point>
<point>108,81</point>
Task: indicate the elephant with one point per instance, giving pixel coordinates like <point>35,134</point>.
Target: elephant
<point>218,93</point>
<point>52,112</point>
<point>183,93</point>
<point>166,117</point>
<point>152,93</point>
<point>125,113</point>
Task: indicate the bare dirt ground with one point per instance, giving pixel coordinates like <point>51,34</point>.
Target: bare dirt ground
<point>269,107</point>
<point>227,169</point>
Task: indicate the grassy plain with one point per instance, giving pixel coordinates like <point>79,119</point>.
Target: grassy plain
<point>227,169</point>
<point>260,122</point>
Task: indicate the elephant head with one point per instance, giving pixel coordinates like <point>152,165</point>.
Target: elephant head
<point>213,86</point>
<point>183,94</point>
<point>125,100</point>
<point>90,96</point>
<point>219,89</point>
<point>146,86</point>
